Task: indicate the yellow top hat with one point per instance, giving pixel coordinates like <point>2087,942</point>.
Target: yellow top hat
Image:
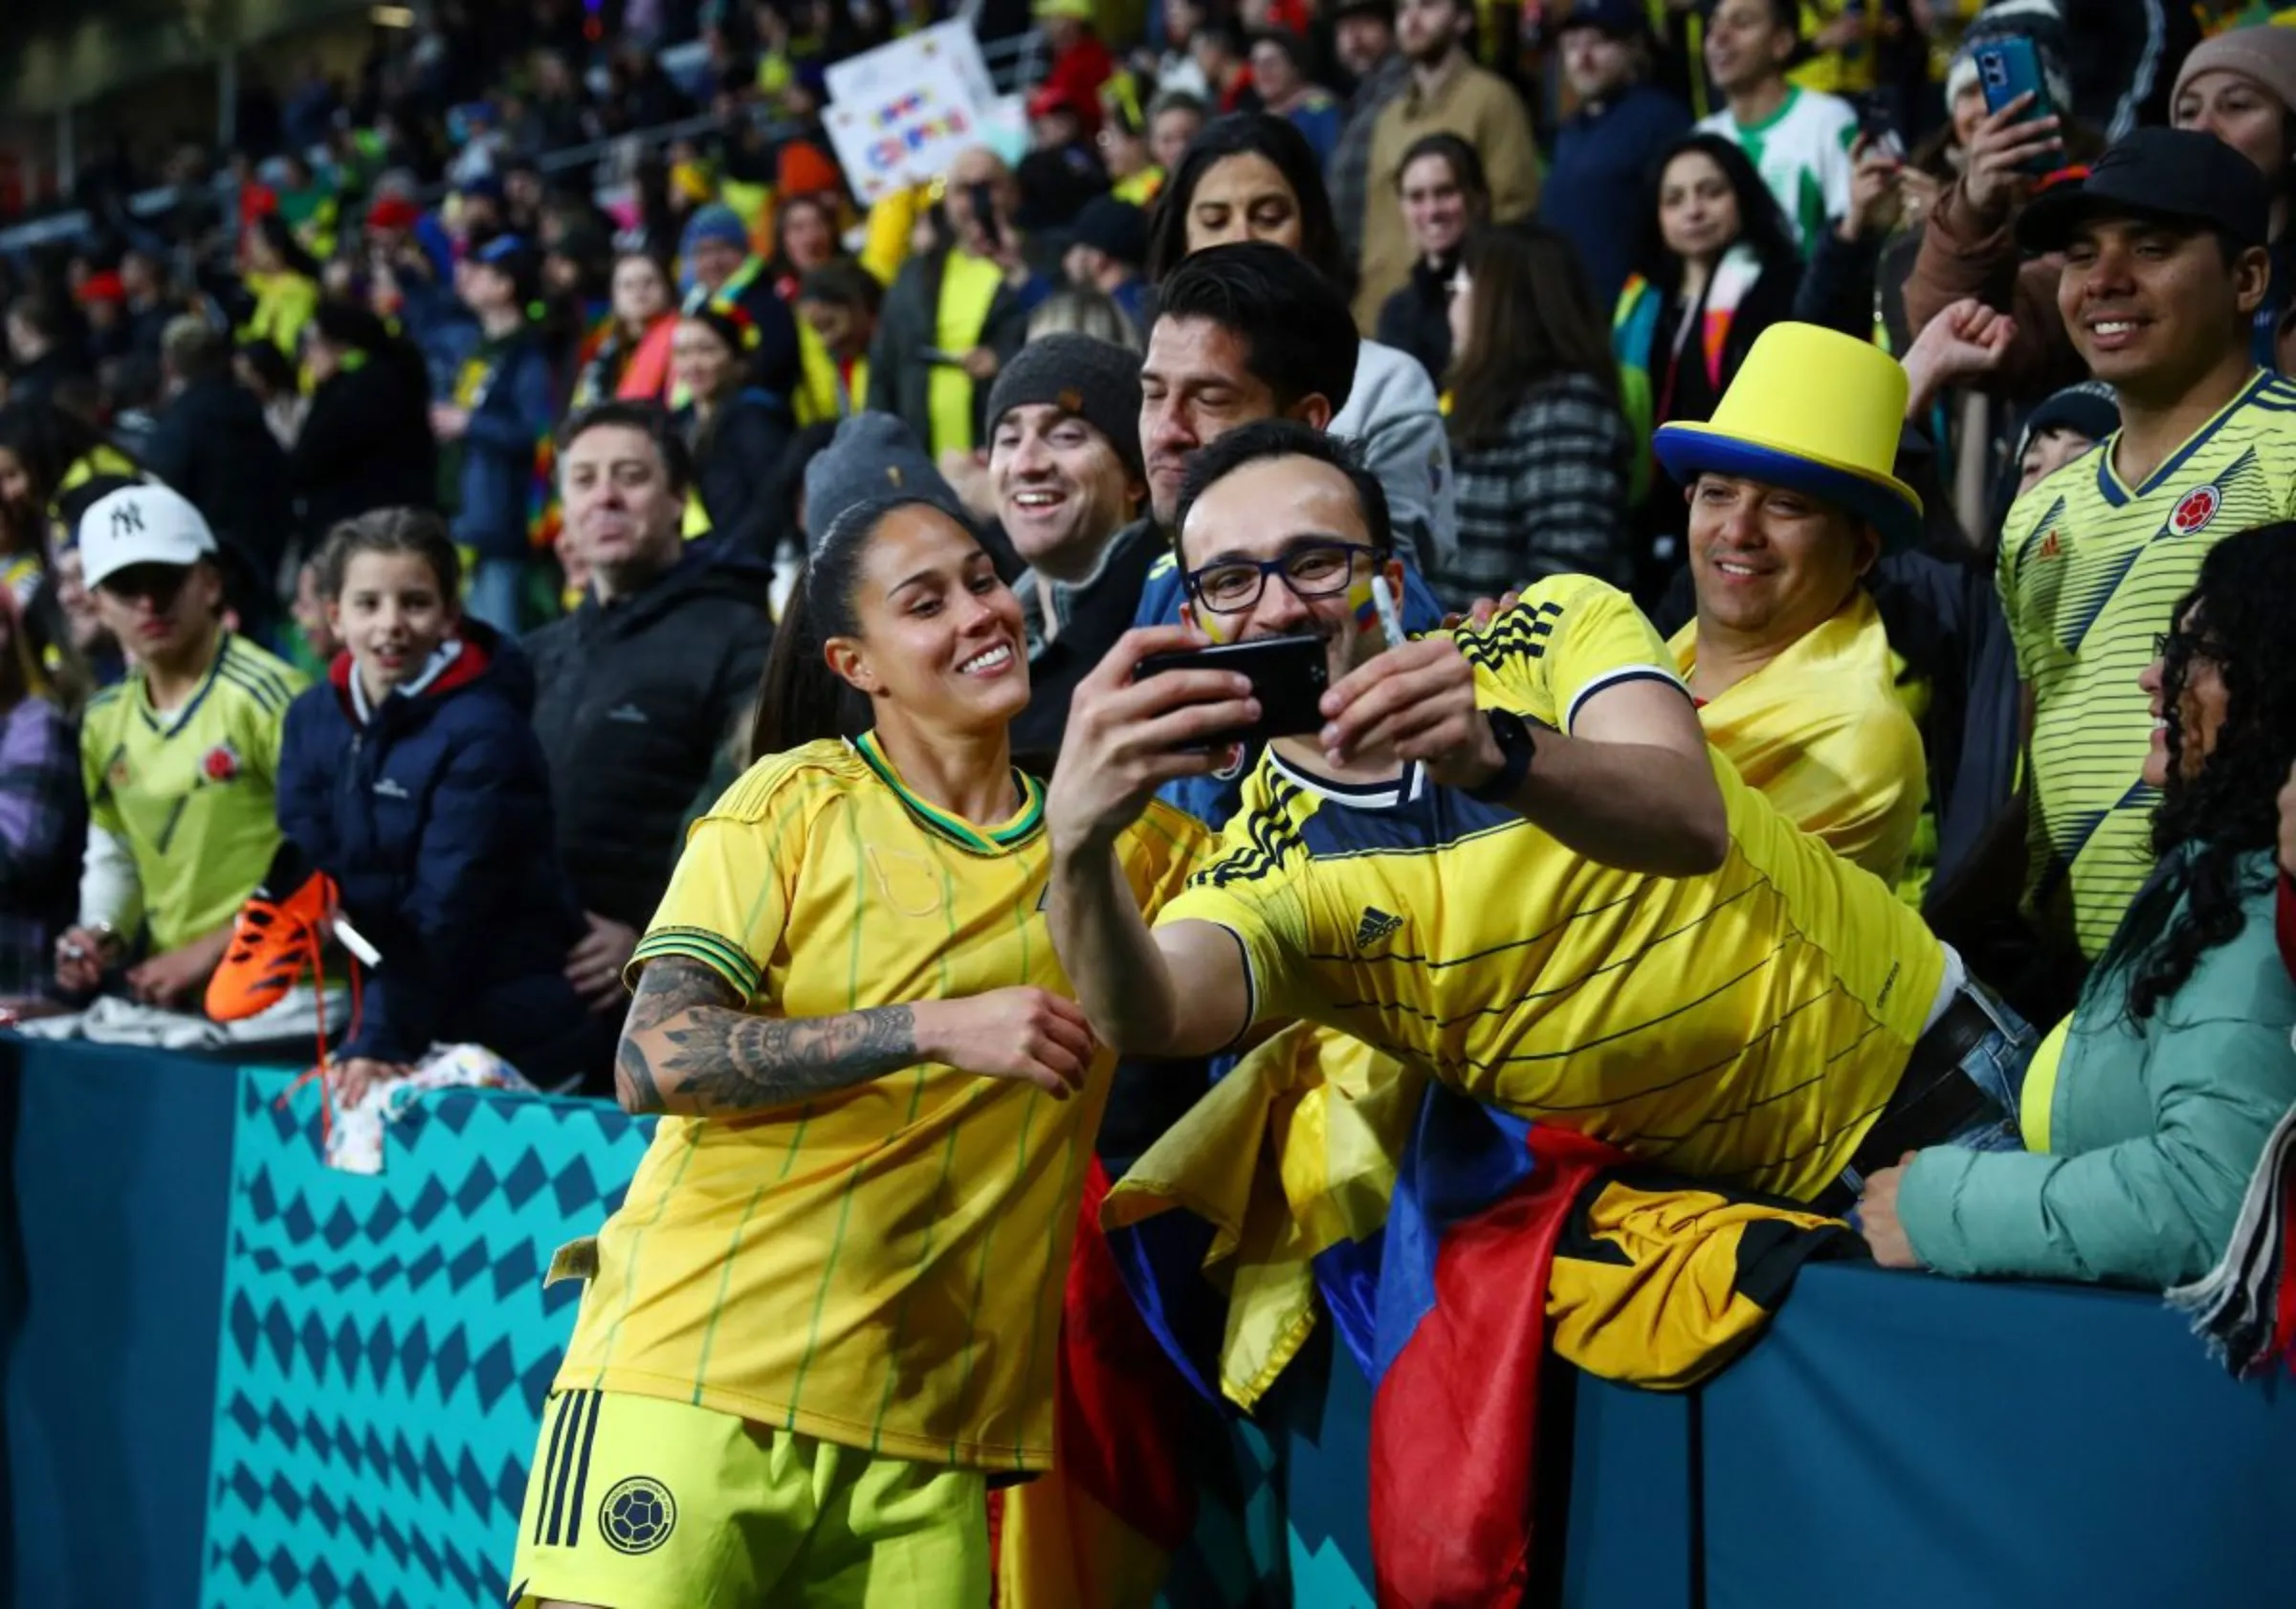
<point>1076,10</point>
<point>1815,411</point>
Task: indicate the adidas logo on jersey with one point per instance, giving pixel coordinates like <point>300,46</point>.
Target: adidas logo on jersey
<point>2050,547</point>
<point>389,788</point>
<point>628,715</point>
<point>1375,925</point>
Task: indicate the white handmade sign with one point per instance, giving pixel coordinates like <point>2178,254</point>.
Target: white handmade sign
<point>902,114</point>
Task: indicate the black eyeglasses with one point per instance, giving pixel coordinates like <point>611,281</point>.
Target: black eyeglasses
<point>1311,570</point>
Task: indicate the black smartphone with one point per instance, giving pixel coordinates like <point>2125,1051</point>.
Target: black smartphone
<point>1875,130</point>
<point>2010,67</point>
<point>984,214</point>
<point>1288,676</point>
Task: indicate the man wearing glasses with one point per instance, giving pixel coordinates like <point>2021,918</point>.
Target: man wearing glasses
<point>1507,858</point>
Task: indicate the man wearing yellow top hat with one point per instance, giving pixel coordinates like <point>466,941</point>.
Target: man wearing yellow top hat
<point>1509,859</point>
<point>1792,499</point>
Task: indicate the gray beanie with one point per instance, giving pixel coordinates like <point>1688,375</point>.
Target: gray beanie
<point>873,458</point>
<point>1097,380</point>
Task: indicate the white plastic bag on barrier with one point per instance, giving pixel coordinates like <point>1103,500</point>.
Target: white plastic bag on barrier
<point>355,1136</point>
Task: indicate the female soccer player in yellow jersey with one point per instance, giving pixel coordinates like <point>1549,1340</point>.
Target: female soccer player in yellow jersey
<point>829,1308</point>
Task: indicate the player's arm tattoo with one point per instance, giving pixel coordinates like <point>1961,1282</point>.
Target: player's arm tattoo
<point>689,1047</point>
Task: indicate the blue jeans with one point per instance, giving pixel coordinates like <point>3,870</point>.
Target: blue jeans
<point>1997,1065</point>
<point>498,593</point>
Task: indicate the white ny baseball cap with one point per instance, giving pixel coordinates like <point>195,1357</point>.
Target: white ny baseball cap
<point>147,524</point>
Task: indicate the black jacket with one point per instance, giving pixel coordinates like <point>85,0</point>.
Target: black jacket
<point>365,443</point>
<point>1097,613</point>
<point>1417,318</point>
<point>211,444</point>
<point>633,701</point>
<point>734,465</point>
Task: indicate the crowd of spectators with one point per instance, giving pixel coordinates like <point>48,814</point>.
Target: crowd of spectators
<point>426,502</point>
<point>440,503</point>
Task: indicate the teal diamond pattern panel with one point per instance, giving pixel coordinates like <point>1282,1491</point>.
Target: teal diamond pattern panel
<point>387,1343</point>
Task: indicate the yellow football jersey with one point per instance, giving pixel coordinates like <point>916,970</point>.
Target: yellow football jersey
<point>881,1266</point>
<point>1745,1026</point>
<point>2090,570</point>
<point>1821,732</point>
<point>194,792</point>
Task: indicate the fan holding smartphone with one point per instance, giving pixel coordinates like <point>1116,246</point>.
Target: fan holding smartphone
<point>2021,137</point>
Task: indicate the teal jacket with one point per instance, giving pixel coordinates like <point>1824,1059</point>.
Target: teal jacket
<point>2154,1128</point>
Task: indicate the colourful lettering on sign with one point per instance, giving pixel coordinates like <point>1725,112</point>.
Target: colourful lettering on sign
<point>890,152</point>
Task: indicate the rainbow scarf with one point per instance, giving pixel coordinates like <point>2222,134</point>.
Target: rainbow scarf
<point>1634,341</point>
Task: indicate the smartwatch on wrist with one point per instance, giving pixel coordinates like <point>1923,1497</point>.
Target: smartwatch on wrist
<point>1517,746</point>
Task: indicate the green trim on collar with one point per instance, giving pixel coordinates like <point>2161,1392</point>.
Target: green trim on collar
<point>1023,824</point>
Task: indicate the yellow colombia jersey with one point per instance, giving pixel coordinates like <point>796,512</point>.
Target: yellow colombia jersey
<point>193,792</point>
<point>2090,571</point>
<point>882,1267</point>
<point>1745,1027</point>
<point>1821,732</point>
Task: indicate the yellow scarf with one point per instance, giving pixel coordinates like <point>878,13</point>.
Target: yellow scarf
<point>824,395</point>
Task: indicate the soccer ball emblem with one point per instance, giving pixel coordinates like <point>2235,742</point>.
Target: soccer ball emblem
<point>638,1515</point>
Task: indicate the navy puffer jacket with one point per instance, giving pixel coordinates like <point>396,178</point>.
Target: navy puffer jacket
<point>434,820</point>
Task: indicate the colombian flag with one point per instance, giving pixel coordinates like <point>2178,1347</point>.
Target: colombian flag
<point>1480,1203</point>
<point>1453,1245</point>
<point>1099,1531</point>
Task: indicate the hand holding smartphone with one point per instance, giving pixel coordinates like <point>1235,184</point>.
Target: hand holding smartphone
<point>1288,676</point>
<point>2008,68</point>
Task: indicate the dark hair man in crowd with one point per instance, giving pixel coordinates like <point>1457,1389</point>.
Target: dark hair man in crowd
<point>2164,264</point>
<point>1063,461</point>
<point>636,689</point>
<point>1594,186</point>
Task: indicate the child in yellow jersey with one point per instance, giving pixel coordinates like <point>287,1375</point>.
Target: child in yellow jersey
<point>829,1308</point>
<point>181,759</point>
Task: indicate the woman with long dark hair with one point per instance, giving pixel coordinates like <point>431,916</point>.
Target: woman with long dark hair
<point>1715,267</point>
<point>1540,448</point>
<point>1251,176</point>
<point>736,431</point>
<point>829,1310</point>
<point>804,239</point>
<point>2150,1107</point>
<point>1444,195</point>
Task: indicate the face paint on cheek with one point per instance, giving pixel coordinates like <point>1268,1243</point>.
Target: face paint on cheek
<point>1363,607</point>
<point>1212,626</point>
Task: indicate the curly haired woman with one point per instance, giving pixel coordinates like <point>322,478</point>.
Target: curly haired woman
<point>2146,1111</point>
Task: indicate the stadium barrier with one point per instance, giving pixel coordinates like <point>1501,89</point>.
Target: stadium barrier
<point>237,1379</point>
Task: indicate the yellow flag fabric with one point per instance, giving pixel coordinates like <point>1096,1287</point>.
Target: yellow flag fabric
<point>1290,1154</point>
<point>1659,1282</point>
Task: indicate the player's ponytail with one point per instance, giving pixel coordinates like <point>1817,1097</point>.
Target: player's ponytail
<point>801,699</point>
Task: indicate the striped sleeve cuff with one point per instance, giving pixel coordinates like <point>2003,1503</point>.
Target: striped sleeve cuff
<point>715,951</point>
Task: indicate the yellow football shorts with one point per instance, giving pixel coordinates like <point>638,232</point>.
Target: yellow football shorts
<point>640,1503</point>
